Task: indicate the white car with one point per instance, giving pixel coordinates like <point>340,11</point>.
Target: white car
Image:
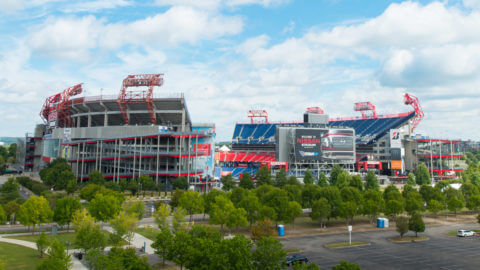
<point>465,233</point>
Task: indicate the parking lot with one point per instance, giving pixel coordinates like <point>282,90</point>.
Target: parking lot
<point>440,252</point>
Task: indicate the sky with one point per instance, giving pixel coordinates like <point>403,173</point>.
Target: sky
<point>230,56</point>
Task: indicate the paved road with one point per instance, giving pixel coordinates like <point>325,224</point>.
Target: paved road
<point>440,252</point>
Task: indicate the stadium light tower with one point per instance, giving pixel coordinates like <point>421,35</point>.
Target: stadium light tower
<point>409,99</point>
<point>258,114</point>
<point>56,107</point>
<point>364,107</point>
<point>138,96</point>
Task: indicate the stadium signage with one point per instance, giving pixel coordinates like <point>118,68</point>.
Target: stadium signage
<point>308,144</point>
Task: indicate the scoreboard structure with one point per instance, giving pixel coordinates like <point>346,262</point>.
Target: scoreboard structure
<point>314,148</point>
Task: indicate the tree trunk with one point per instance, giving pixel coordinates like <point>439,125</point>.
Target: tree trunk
<point>416,234</point>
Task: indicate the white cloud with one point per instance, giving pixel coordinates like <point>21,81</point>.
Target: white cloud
<point>69,38</point>
<point>74,37</point>
<point>215,4</point>
<point>96,5</point>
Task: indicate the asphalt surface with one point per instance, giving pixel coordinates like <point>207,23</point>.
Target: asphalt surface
<point>439,252</point>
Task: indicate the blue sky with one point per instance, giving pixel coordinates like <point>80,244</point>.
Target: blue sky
<point>229,56</point>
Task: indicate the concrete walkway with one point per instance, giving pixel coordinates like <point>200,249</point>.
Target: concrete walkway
<point>77,265</point>
<point>138,241</point>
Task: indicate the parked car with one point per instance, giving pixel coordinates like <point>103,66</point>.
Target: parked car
<point>465,233</point>
<point>296,258</point>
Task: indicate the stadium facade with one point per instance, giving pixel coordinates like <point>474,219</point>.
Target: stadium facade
<point>385,143</point>
<point>124,136</point>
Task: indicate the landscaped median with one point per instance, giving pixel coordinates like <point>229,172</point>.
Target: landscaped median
<point>408,239</point>
<point>346,244</point>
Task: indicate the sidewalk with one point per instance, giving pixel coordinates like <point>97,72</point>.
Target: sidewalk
<point>77,265</point>
<point>138,241</point>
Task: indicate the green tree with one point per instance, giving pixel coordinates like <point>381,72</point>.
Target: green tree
<point>304,266</point>
<point>402,225</point>
<point>146,182</point>
<point>264,176</point>
<point>175,197</point>
<point>252,206</point>
<point>343,179</point>
<point>180,248</point>
<point>280,178</point>
<point>414,203</point>
<point>336,170</point>
<point>411,179</point>
<point>191,201</point>
<point>334,198</point>
<point>294,210</point>
<point>3,215</point>
<point>294,192</point>
<point>221,211</point>
<point>348,210</point>
<point>269,254</point>
<point>71,186</point>
<point>228,183</point>
<point>87,234</point>
<point>35,210</point>
<point>422,176</point>
<point>292,180</point>
<point>134,207</point>
<point>415,224</point>
<point>344,265</point>
<point>163,242</point>
<point>104,208</point>
<point>133,187</point>
<point>237,195</point>
<point>42,243</point>
<point>310,193</point>
<point>64,209</point>
<point>246,181</point>
<point>320,211</point>
<point>356,182</point>
<point>161,215</point>
<point>373,203</point>
<point>96,177</point>
<point>180,183</point>
<point>234,254</point>
<point>371,181</point>
<point>454,205</point>
<point>57,252</point>
<point>123,226</point>
<point>393,208</point>
<point>178,218</point>
<point>11,208</point>
<point>126,258</point>
<point>392,193</point>
<point>474,202</point>
<point>434,206</point>
<point>308,177</point>
<point>322,180</point>
<point>209,199</point>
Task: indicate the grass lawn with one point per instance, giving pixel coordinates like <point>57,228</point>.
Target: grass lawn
<point>346,244</point>
<point>62,237</point>
<point>19,257</point>
<point>408,239</point>
<point>150,233</point>
<point>292,250</point>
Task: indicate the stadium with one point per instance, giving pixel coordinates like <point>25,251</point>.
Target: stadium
<point>384,143</point>
<point>126,136</point>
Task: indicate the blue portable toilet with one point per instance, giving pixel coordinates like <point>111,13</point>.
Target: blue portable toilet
<point>281,230</point>
<point>379,222</point>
